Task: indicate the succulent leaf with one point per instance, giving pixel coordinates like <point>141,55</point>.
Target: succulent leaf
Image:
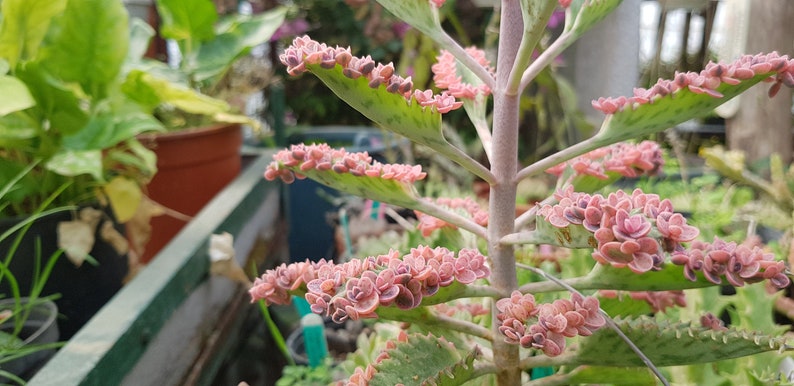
<point>666,279</point>
<point>611,375</point>
<point>667,111</point>
<point>587,13</point>
<point>432,360</point>
<point>672,344</point>
<point>419,14</point>
<point>394,113</point>
<point>376,188</point>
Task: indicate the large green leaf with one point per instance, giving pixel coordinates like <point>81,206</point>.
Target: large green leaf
<point>431,360</point>
<point>57,102</point>
<point>109,129</point>
<point>24,24</point>
<point>242,33</point>
<point>14,95</point>
<point>15,128</point>
<point>75,163</point>
<point>151,91</point>
<point>671,344</point>
<point>187,21</point>
<point>89,45</point>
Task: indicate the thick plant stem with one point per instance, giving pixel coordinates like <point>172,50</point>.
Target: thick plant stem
<point>503,191</point>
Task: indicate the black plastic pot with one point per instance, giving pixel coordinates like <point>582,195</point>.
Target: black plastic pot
<point>83,290</point>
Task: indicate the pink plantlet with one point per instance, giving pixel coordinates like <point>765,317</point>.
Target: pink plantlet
<point>779,68</point>
<point>546,326</point>
<point>323,158</point>
<point>739,264</point>
<point>626,159</point>
<point>658,300</point>
<point>355,289</point>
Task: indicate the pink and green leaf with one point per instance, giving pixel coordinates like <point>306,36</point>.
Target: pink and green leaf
<point>664,112</point>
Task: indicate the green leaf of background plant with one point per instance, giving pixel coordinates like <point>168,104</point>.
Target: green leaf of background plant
<point>244,32</point>
<point>107,130</point>
<point>24,25</point>
<point>187,21</point>
<point>90,44</point>
<point>15,128</point>
<point>141,34</point>
<point>56,101</point>
<point>75,163</point>
<point>14,95</point>
<point>671,344</point>
<point>151,91</point>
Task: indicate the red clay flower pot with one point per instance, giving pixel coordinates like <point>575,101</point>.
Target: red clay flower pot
<point>192,167</point>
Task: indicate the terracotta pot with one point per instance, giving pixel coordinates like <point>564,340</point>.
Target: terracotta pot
<point>192,167</point>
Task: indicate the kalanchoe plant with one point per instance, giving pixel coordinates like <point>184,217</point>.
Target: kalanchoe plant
<point>637,241</point>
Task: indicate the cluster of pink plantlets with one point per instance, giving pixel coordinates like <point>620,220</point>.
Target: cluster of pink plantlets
<point>445,75</point>
<point>427,224</point>
<point>306,51</point>
<point>553,321</point>
<point>738,263</point>
<point>636,230</point>
<point>355,289</point>
<point>630,230</point>
<point>658,300</point>
<point>322,157</point>
<point>708,80</point>
<point>627,159</point>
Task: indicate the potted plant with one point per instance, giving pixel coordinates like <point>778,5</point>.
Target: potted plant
<point>480,315</point>
<point>199,154</point>
<point>67,122</point>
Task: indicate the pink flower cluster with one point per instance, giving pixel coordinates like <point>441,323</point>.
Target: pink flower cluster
<point>708,80</point>
<point>624,158</point>
<point>658,300</point>
<point>629,230</point>
<point>738,263</point>
<point>305,51</point>
<point>322,157</point>
<point>355,289</point>
<point>445,74</point>
<point>553,321</point>
<point>427,224</point>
